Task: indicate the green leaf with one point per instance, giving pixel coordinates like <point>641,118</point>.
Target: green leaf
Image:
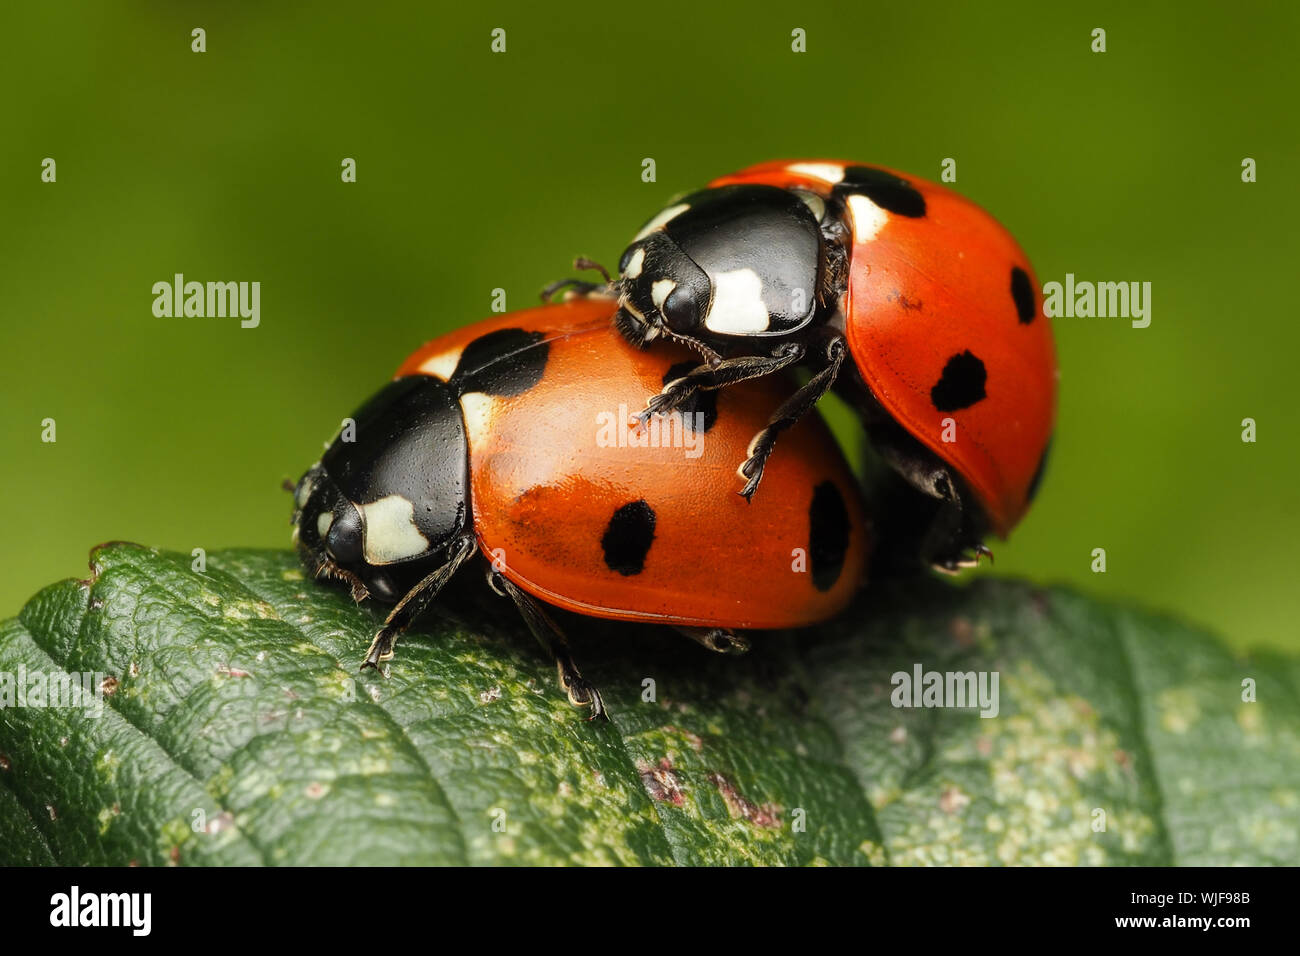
<point>238,730</point>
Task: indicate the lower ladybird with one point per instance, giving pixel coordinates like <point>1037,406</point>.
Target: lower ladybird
<point>510,445</point>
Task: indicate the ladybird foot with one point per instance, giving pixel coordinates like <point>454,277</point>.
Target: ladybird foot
<point>667,401</point>
<point>954,565</point>
<point>752,469</point>
<point>581,692</point>
<point>381,649</point>
<point>754,472</point>
<point>720,640</point>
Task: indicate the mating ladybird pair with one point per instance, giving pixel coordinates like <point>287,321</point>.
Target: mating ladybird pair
<point>485,443</point>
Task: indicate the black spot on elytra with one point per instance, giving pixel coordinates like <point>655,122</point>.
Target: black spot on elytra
<point>628,538</point>
<point>1037,480</point>
<point>703,402</point>
<point>504,362</point>
<point>828,535</point>
<point>961,385</point>
<point>1022,291</point>
<point>886,190</point>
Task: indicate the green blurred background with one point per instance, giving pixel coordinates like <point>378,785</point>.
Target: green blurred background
<point>478,171</point>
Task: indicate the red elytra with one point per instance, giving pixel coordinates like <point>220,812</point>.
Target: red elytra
<point>546,481</point>
<point>930,290</point>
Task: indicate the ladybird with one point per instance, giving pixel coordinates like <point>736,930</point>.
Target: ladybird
<point>952,361</point>
<point>510,444</point>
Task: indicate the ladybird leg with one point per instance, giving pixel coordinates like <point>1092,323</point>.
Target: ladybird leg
<point>955,562</point>
<point>581,692</point>
<point>720,640</point>
<point>952,542</point>
<point>416,601</point>
<point>724,373</point>
<point>579,286</point>
<point>928,520</point>
<point>790,411</point>
<point>955,559</point>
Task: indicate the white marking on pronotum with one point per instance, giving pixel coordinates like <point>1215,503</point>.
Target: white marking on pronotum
<point>868,218</point>
<point>661,290</point>
<point>737,303</point>
<point>634,264</point>
<point>816,205</point>
<point>391,534</point>
<point>661,220</point>
<point>441,366</point>
<point>479,410</point>
<point>651,331</point>
<point>827,172</point>
<point>323,522</point>
<point>304,490</point>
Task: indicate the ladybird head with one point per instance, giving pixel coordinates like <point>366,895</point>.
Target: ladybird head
<point>729,261</point>
<point>662,289</point>
<point>380,508</point>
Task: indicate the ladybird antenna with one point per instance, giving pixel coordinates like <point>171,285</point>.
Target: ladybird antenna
<point>583,264</point>
<point>709,355</point>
